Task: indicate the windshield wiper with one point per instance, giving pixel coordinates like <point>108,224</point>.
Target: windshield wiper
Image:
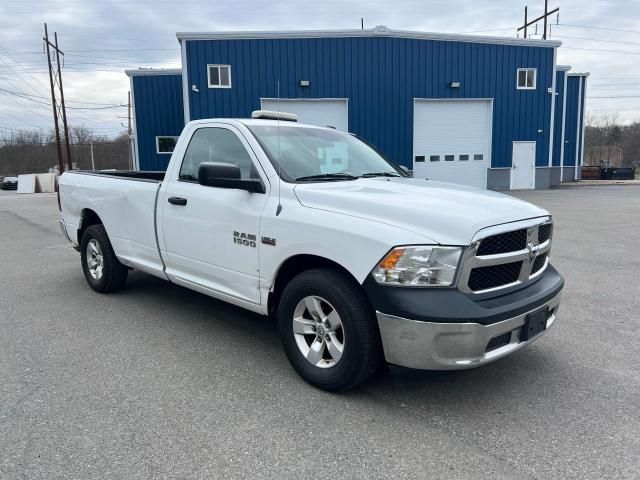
<point>380,174</point>
<point>327,176</point>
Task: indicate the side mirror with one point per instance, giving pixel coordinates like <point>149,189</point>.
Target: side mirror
<point>226,175</point>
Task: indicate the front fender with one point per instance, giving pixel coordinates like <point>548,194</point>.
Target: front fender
<point>356,244</point>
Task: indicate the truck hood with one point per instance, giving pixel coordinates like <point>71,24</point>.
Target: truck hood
<point>445,213</point>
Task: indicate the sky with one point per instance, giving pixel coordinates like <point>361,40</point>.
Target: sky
<point>102,38</point>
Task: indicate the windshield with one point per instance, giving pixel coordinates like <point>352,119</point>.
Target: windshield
<point>316,154</point>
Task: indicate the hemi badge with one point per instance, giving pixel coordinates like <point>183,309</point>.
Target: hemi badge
<point>269,241</point>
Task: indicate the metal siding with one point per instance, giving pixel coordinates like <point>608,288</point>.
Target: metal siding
<point>381,77</point>
<point>557,124</point>
<point>159,112</point>
<point>583,81</point>
<point>571,121</point>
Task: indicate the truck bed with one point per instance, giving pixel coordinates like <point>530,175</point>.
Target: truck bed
<point>125,202</point>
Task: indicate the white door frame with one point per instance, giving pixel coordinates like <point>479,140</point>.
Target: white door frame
<point>533,166</point>
<point>490,100</point>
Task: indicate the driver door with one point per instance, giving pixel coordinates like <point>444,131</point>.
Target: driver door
<point>210,234</point>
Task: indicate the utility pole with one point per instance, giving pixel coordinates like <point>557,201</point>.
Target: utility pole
<point>546,14</point>
<point>93,165</point>
<point>53,102</point>
<point>64,110</point>
<point>544,17</point>
<point>129,129</point>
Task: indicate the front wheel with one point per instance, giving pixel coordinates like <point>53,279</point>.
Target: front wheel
<point>102,269</point>
<point>328,330</point>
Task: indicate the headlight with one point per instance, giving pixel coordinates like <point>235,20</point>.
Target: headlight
<point>419,266</point>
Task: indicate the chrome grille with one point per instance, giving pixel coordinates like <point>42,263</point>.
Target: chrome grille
<point>544,232</point>
<point>508,258</point>
<point>539,263</point>
<point>484,278</point>
<point>503,242</point>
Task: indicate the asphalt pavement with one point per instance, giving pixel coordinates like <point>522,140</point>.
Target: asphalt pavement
<point>157,381</point>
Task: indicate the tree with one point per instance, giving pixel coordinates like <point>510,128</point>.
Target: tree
<point>31,151</point>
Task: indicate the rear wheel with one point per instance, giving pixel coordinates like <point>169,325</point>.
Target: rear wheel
<point>102,269</point>
<point>328,330</point>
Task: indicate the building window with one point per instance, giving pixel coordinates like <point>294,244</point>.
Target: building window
<point>527,78</point>
<point>464,158</point>
<point>478,156</point>
<point>434,158</point>
<point>166,144</point>
<point>449,158</point>
<point>219,76</point>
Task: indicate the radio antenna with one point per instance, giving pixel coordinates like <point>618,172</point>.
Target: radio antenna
<point>279,208</point>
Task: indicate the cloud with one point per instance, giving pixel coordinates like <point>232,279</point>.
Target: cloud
<point>102,39</point>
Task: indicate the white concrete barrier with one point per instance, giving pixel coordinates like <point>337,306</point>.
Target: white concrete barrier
<point>45,182</point>
<point>27,183</point>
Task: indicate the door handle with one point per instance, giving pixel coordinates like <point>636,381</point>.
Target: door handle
<point>177,201</point>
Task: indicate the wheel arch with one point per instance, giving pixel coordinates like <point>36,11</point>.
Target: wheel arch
<point>295,265</point>
<point>88,217</point>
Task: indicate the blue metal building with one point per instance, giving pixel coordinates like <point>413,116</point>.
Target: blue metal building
<point>574,125</point>
<point>467,109</point>
<point>158,116</point>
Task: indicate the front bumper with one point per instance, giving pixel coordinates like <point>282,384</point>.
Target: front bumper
<point>453,346</point>
<point>447,329</point>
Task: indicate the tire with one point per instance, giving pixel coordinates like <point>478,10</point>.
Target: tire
<point>332,292</point>
<point>95,246</point>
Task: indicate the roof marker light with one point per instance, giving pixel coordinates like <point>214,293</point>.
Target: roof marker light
<point>271,115</point>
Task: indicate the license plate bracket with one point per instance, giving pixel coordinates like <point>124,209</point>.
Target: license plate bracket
<point>534,323</point>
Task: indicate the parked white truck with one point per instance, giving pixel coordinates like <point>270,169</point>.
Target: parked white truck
<point>357,262</point>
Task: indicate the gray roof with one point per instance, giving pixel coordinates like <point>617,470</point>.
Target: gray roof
<point>379,31</point>
<point>153,71</point>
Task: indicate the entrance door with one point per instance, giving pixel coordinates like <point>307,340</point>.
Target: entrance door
<point>523,169</point>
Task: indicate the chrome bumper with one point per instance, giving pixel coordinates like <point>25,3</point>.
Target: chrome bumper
<point>452,346</point>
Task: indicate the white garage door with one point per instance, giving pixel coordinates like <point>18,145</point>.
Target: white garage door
<point>323,112</point>
<point>452,140</point>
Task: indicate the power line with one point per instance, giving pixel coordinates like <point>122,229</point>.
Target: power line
<point>73,63</point>
<point>488,30</point>
<point>47,103</point>
<point>598,28</point>
<point>597,40</point>
<point>600,50</point>
<point>23,107</point>
<point>86,70</point>
<point>68,101</point>
<point>19,120</point>
<point>37,81</point>
<point>33,52</point>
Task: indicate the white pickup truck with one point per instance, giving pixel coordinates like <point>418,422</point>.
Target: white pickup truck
<point>312,226</point>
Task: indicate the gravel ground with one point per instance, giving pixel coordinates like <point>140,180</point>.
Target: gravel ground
<point>157,381</point>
